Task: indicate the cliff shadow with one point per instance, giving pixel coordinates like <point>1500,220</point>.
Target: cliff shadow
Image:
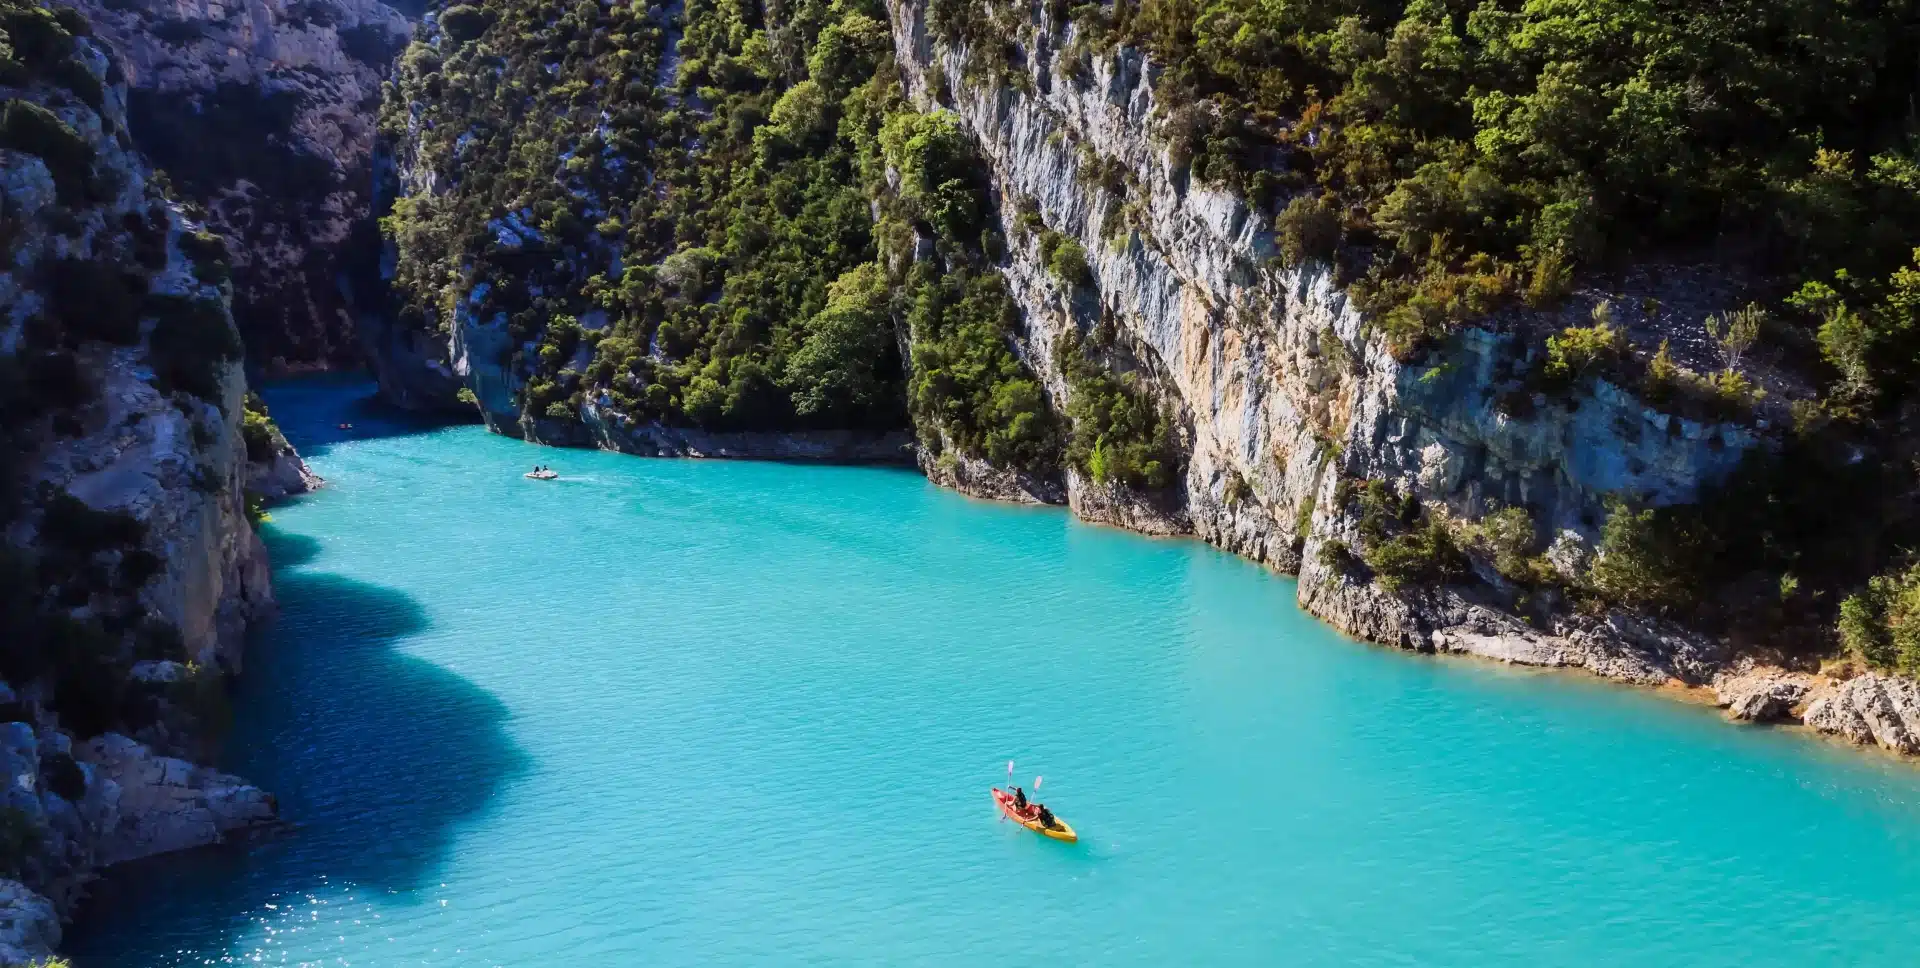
<point>377,757</point>
<point>319,411</point>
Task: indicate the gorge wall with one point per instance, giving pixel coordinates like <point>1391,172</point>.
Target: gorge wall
<point>129,566</point>
<point>262,114</point>
<point>1281,388</point>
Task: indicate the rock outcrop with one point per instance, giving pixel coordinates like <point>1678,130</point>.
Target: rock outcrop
<point>160,804</point>
<point>1763,694</point>
<point>109,800</point>
<point>263,113</point>
<point>29,926</point>
<point>1871,708</point>
<point>275,471</point>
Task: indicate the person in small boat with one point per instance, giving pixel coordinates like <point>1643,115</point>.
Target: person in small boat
<point>1019,799</point>
<point>1043,815</point>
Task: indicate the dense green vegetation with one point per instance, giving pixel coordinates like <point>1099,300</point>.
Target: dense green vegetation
<point>967,388</point>
<point>708,219</point>
<point>1476,151</point>
<point>1121,433</point>
<point>705,252</point>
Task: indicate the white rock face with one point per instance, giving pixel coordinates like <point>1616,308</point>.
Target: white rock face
<point>1276,382</point>
<point>282,474</point>
<point>1871,708</point>
<point>163,804</point>
<point>1762,694</point>
<point>144,459</point>
<point>325,60</point>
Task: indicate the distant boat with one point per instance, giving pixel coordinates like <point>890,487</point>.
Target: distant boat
<point>544,474</point>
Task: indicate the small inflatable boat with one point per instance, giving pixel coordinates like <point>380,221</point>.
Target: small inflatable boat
<point>542,475</point>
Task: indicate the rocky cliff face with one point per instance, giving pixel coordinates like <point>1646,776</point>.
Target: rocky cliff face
<point>1280,389</point>
<point>131,570</point>
<point>1285,398</point>
<point>263,112</point>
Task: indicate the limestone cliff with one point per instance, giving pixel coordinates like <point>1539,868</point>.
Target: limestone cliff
<point>129,569</point>
<point>1285,397</point>
<point>262,112</point>
<point>1279,387</point>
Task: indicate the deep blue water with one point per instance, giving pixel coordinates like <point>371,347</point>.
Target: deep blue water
<point>713,713</point>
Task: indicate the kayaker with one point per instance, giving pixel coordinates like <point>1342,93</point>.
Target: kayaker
<point>1019,799</point>
<point>1042,814</point>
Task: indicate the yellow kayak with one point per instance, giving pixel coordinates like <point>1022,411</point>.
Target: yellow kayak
<point>1059,831</point>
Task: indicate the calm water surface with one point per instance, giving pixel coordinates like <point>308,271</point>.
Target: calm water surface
<point>710,713</point>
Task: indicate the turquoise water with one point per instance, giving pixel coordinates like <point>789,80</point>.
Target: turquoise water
<point>711,713</point>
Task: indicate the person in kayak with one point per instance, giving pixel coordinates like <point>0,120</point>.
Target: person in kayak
<point>1019,799</point>
<point>1043,815</point>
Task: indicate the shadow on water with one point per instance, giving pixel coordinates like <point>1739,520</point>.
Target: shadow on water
<point>316,412</point>
<point>286,550</point>
<point>378,757</point>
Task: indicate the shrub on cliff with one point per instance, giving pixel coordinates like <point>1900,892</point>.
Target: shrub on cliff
<point>840,374</point>
<point>38,44</point>
<point>1069,264</point>
<point>1581,350</point>
<point>966,382</point>
<point>192,341</point>
<point>257,429</point>
<point>1120,433</point>
<point>939,171</point>
<point>1308,228</point>
<point>26,126</point>
<point>1426,554</point>
<point>209,254</point>
<point>1880,624</point>
<point>463,22</point>
<point>1643,560</point>
<point>1508,536</point>
<point>1401,542</point>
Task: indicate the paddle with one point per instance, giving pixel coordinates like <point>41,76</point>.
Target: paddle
<point>1003,813</point>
